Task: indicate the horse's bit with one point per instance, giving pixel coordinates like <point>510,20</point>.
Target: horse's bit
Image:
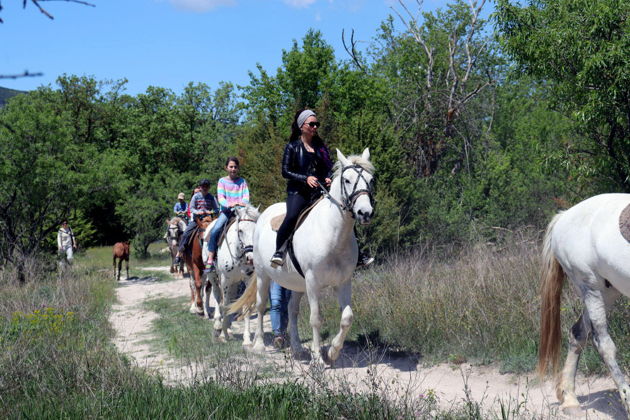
<point>350,198</point>
<point>244,249</point>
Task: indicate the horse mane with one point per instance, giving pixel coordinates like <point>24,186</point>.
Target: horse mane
<point>176,220</point>
<point>250,212</point>
<point>355,160</point>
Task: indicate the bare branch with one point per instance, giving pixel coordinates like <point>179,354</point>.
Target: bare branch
<point>36,3</point>
<point>352,51</point>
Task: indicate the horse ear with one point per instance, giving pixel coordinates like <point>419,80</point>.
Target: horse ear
<point>366,154</point>
<point>341,158</point>
<point>168,222</point>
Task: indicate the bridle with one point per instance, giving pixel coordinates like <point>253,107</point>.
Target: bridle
<point>349,197</point>
<point>170,230</point>
<point>243,249</point>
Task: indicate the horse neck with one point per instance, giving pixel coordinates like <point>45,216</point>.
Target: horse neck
<point>334,221</point>
<point>232,240</point>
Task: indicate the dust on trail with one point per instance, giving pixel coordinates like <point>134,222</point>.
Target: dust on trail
<point>397,376</point>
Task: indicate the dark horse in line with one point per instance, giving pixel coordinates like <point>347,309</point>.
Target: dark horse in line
<point>121,251</point>
<point>195,265</point>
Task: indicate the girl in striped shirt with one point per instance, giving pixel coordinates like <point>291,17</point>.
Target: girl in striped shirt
<point>232,191</point>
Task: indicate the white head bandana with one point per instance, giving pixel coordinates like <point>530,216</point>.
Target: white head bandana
<point>303,116</point>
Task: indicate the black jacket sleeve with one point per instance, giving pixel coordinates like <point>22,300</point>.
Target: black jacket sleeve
<point>288,163</point>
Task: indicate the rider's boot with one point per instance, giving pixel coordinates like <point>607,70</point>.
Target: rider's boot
<point>278,258</point>
<point>364,259</point>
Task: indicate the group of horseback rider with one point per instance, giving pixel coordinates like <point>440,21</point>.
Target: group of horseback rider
<point>306,165</point>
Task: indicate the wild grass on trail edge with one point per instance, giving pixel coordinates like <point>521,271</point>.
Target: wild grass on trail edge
<point>57,361</point>
<point>479,305</point>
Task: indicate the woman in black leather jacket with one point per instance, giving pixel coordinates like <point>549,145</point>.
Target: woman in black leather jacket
<point>306,161</point>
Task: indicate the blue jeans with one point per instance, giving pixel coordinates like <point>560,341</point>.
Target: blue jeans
<point>279,297</point>
<point>216,231</point>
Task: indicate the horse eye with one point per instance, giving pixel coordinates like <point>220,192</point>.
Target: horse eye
<point>347,181</point>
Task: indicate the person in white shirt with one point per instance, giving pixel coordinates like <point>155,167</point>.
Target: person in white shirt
<point>66,242</point>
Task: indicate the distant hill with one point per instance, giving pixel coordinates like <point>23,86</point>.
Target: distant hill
<point>5,94</point>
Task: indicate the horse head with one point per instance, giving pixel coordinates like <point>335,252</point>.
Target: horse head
<point>174,230</point>
<point>355,186</point>
<point>203,222</point>
<point>246,218</point>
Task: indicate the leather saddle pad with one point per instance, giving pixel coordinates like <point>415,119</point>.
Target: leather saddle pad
<point>277,220</point>
<point>624,223</point>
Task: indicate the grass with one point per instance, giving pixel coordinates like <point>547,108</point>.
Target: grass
<point>187,337</point>
<point>100,258</point>
<point>58,361</point>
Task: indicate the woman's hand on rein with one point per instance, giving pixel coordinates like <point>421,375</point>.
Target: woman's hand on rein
<point>312,181</point>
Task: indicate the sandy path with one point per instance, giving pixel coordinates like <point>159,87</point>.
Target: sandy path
<point>362,369</point>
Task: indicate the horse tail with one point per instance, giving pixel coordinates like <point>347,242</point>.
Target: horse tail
<point>552,279</point>
<point>248,299</point>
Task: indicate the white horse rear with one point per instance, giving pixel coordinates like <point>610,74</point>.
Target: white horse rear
<point>234,264</point>
<point>585,244</point>
<point>326,249</point>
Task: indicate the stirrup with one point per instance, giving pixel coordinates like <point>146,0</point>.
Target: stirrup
<point>277,258</point>
<point>210,268</point>
<point>364,260</point>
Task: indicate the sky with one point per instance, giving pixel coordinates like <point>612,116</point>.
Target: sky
<point>169,43</point>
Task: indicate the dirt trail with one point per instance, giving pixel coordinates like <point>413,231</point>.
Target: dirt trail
<point>363,369</point>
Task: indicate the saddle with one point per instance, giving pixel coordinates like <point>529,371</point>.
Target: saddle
<point>277,221</point>
<point>201,232</point>
<point>624,223</point>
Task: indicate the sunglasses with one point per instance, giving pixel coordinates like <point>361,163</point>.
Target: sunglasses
<point>313,124</point>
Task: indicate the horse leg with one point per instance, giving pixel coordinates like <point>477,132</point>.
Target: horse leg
<point>198,290</point>
<point>294,336</point>
<point>344,295</point>
<point>229,292</point>
<point>114,266</point>
<point>312,294</point>
<point>127,267</point>
<point>578,335</point>
<point>247,339</point>
<point>262,293</point>
<point>596,306</point>
<point>120,268</point>
<point>195,290</point>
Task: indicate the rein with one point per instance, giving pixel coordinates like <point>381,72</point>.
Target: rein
<point>245,249</point>
<point>350,198</point>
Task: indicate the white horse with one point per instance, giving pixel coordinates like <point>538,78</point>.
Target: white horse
<point>175,229</point>
<point>234,263</point>
<point>325,248</point>
<point>585,244</point>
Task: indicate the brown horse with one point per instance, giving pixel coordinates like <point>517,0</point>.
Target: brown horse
<point>121,251</point>
<point>195,264</point>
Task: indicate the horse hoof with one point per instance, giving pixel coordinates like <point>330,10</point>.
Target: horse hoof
<point>329,357</point>
<point>259,347</point>
<point>573,411</point>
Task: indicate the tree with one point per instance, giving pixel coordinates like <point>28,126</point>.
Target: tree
<point>44,174</point>
<point>444,62</point>
<point>582,50</point>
